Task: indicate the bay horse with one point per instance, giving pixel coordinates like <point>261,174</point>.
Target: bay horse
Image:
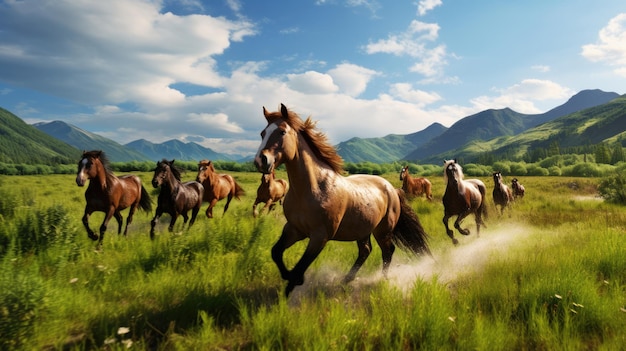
<point>518,188</point>
<point>108,193</point>
<point>270,191</point>
<point>176,198</point>
<point>323,205</point>
<point>217,186</point>
<point>502,194</point>
<point>462,198</point>
<point>415,186</point>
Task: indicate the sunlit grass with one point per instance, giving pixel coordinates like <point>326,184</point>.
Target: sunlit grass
<point>549,275</point>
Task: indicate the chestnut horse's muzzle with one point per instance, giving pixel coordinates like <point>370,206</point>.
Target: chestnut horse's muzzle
<point>264,162</point>
<point>80,181</point>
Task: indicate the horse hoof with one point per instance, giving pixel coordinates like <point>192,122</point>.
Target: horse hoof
<point>93,237</point>
<point>455,242</point>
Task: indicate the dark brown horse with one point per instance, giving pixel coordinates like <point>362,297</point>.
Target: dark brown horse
<point>462,198</point>
<point>518,188</point>
<point>270,191</point>
<point>217,186</point>
<point>323,205</point>
<point>415,186</point>
<point>176,198</point>
<point>108,193</point>
<point>502,194</point>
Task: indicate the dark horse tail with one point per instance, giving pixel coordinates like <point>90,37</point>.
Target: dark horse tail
<point>145,203</point>
<point>408,232</point>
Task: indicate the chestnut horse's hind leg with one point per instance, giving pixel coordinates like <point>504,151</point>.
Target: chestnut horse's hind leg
<point>230,197</point>
<point>119,219</point>
<point>449,231</point>
<point>129,219</point>
<point>365,248</point>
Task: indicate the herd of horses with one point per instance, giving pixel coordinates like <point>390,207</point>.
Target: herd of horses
<point>319,202</point>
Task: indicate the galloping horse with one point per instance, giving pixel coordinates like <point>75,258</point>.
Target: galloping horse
<point>270,191</point>
<point>415,186</point>
<point>462,197</point>
<point>108,193</point>
<point>518,188</point>
<point>176,198</point>
<point>502,194</point>
<point>323,205</point>
<point>217,186</point>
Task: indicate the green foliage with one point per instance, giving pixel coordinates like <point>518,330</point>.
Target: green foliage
<point>613,188</point>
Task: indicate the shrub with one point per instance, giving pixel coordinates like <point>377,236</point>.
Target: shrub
<point>613,188</point>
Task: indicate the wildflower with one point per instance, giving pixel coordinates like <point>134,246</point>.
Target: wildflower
<point>123,330</point>
<point>558,296</point>
<point>73,280</point>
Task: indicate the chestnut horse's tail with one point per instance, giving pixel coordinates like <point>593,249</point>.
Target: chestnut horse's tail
<point>145,203</point>
<point>408,232</point>
<point>238,190</point>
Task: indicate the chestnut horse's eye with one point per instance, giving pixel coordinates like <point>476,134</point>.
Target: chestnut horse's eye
<point>283,132</point>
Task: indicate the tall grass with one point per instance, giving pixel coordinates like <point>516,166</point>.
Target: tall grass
<point>551,274</point>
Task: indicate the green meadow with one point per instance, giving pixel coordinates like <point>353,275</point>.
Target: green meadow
<point>548,275</point>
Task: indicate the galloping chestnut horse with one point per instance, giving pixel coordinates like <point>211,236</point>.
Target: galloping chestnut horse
<point>462,197</point>
<point>518,188</point>
<point>323,205</point>
<point>270,191</point>
<point>415,186</point>
<point>217,186</point>
<point>108,193</point>
<point>502,194</point>
<point>176,198</point>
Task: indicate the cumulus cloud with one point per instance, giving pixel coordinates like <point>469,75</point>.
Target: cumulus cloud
<point>115,51</point>
<point>426,5</point>
<point>351,79</point>
<point>521,97</point>
<point>611,45</point>
<point>405,92</point>
<point>312,82</point>
<point>413,43</point>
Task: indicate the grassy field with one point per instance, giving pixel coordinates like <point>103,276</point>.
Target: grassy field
<point>551,274</point>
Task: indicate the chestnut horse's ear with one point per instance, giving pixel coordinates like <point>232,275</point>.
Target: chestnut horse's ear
<point>283,110</point>
<point>265,113</point>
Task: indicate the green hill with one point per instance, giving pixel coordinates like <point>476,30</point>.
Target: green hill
<point>23,143</point>
<point>84,140</point>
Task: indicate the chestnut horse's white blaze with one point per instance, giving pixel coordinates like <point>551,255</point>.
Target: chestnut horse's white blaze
<point>323,205</point>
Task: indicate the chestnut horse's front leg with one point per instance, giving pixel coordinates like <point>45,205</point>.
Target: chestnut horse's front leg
<point>449,231</point>
<point>90,233</point>
<point>288,237</point>
<point>105,223</point>
<point>459,219</point>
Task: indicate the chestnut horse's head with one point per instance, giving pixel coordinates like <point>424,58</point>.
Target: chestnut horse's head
<point>280,142</point>
<point>90,164</point>
<point>205,169</point>
<point>452,171</point>
<point>403,172</point>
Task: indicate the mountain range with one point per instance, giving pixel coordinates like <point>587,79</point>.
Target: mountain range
<point>589,117</point>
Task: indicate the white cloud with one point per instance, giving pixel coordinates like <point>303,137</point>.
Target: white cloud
<point>312,82</point>
<point>405,92</point>
<point>521,97</point>
<point>426,5</point>
<point>611,45</point>
<point>351,79</point>
<point>413,43</point>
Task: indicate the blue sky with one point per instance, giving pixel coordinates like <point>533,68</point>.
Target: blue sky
<point>202,70</point>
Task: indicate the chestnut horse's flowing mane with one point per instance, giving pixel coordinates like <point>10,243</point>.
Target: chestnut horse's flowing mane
<point>317,140</point>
